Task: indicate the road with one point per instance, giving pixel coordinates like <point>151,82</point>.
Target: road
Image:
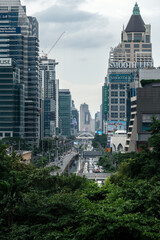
<point>63,162</point>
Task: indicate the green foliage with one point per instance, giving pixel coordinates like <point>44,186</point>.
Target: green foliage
<point>40,161</point>
<point>99,140</point>
<point>148,81</point>
<point>105,162</point>
<point>16,142</point>
<point>36,204</point>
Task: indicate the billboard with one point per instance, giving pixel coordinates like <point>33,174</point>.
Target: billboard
<point>126,78</point>
<point>113,126</point>
<point>99,132</point>
<point>74,121</point>
<point>10,30</point>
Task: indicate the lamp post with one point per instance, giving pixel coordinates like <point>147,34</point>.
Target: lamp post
<point>56,149</point>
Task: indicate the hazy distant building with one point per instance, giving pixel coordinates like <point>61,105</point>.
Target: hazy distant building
<point>97,121</point>
<point>74,120</point>
<point>85,118</point>
<point>65,112</point>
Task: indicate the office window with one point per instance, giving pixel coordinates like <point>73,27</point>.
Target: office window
<point>114,115</point>
<point>122,108</point>
<point>114,86</point>
<point>147,39</point>
<point>146,45</point>
<point>114,108</point>
<point>137,37</point>
<point>127,45</point>
<point>122,86</point>
<point>127,50</point>
<point>122,100</point>
<point>129,36</point>
<point>122,115</point>
<point>114,100</point>
<point>122,93</point>
<point>114,94</point>
<point>136,45</point>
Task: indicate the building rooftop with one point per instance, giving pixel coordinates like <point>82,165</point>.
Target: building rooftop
<point>136,23</point>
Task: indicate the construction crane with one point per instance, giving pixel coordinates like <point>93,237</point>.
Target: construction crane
<point>46,54</point>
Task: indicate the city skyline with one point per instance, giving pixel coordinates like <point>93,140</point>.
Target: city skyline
<point>83,50</point>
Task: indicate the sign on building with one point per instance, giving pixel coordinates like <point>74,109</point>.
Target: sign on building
<point>5,62</point>
<point>10,30</point>
<point>113,126</point>
<point>105,99</point>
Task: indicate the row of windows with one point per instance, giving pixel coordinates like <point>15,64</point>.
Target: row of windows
<point>115,93</point>
<point>115,101</point>
<point>115,115</point>
<point>137,45</point>
<point>115,108</point>
<point>116,86</point>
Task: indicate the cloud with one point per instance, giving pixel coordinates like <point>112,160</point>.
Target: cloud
<point>83,29</point>
<point>61,14</point>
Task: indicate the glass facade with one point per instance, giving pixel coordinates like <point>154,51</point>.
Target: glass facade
<point>65,112</point>
<point>11,102</point>
<point>19,41</point>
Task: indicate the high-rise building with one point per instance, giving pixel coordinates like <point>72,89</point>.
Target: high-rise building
<point>144,106</point>
<point>11,100</point>
<point>19,41</point>
<point>85,118</point>
<point>97,122</point>
<point>49,95</point>
<point>74,120</point>
<point>133,53</point>
<point>65,112</point>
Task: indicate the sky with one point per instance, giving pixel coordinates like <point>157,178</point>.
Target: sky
<point>91,28</point>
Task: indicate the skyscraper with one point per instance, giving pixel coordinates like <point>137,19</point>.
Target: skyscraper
<point>19,41</point>
<point>49,95</point>
<point>74,120</point>
<point>85,118</point>
<point>133,53</point>
<point>11,100</point>
<point>65,112</point>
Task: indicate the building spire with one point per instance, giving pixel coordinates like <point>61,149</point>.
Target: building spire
<point>136,10</point>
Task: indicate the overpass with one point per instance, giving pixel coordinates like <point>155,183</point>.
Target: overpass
<point>66,163</point>
<point>95,176</point>
<point>85,136</point>
<point>92,154</point>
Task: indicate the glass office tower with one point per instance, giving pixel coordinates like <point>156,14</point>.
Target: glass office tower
<point>11,100</point>
<point>19,41</point>
<point>65,112</point>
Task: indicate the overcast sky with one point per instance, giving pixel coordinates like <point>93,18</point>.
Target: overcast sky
<point>91,28</point>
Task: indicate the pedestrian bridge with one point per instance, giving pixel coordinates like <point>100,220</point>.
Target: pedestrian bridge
<point>85,136</point>
<point>92,154</point>
<point>95,176</point>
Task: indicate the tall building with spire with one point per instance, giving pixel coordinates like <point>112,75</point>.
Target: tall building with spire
<point>19,42</point>
<point>125,60</point>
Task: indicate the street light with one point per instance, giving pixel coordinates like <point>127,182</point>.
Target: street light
<point>56,138</point>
